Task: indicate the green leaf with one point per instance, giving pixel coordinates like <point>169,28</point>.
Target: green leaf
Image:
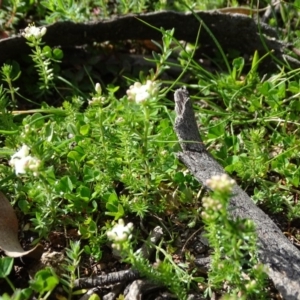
<point>156,56</point>
<point>71,128</point>
<point>265,88</point>
<point>47,4</point>
<point>18,295</point>
<point>294,87</point>
<point>44,281</point>
<point>47,51</point>
<point>37,120</point>
<point>49,131</point>
<point>74,156</point>
<point>113,197</point>
<point>84,193</point>
<point>90,174</point>
<point>65,185</point>
<point>94,297</point>
<point>238,65</point>
<point>6,264</point>
<point>23,294</point>
<point>84,129</point>
<point>50,175</point>
<point>61,5</point>
<point>58,54</point>
<point>24,206</point>
<point>216,131</point>
<point>255,63</point>
<point>112,202</point>
<point>295,105</point>
<point>5,297</point>
<point>114,208</point>
<point>84,232</point>
<point>120,213</point>
<point>87,249</point>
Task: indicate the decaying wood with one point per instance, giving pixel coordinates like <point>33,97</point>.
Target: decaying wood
<point>275,250</point>
<point>232,31</point>
<point>108,279</point>
<point>89,294</point>
<point>116,290</point>
<point>139,288</point>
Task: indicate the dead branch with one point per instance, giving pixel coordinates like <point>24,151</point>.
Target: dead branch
<point>140,287</point>
<point>232,31</point>
<point>275,250</point>
<point>108,279</point>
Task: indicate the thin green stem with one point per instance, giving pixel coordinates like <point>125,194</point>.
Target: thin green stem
<point>11,91</point>
<point>145,146</point>
<point>10,284</point>
<point>42,64</point>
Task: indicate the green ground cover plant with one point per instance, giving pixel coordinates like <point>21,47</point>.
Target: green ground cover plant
<point>101,169</point>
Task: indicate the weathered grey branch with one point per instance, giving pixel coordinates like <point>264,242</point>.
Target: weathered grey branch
<point>275,250</point>
<point>140,287</point>
<point>233,31</point>
<point>89,293</point>
<point>110,278</point>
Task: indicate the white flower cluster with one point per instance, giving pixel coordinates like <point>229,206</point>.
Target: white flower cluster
<point>32,32</point>
<point>120,233</point>
<point>98,88</point>
<point>22,162</point>
<point>98,99</point>
<point>220,183</point>
<point>210,203</point>
<point>210,207</point>
<point>141,92</point>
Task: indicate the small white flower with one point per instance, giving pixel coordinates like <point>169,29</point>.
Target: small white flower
<point>33,32</point>
<point>33,163</point>
<point>21,161</point>
<point>120,120</point>
<point>141,92</point>
<point>120,232</point>
<point>164,152</point>
<point>98,88</point>
<point>222,183</point>
<point>27,128</point>
<point>23,152</point>
<point>96,100</point>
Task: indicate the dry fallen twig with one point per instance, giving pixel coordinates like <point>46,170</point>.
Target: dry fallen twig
<point>232,31</point>
<point>140,287</point>
<point>110,278</point>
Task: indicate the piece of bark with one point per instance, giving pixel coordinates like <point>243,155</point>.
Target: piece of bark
<point>203,264</point>
<point>232,31</point>
<point>89,294</point>
<point>139,288</point>
<point>110,278</point>
<point>276,252</point>
<point>116,290</point>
